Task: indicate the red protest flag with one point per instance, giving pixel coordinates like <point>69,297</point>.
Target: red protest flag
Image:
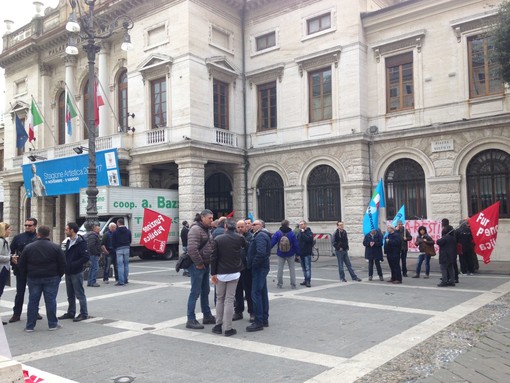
<point>484,228</point>
<point>155,230</point>
<point>231,214</point>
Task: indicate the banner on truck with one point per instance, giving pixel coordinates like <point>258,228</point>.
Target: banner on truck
<point>155,230</point>
<point>68,175</point>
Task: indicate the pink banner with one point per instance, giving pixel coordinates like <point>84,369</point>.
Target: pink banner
<point>433,229</point>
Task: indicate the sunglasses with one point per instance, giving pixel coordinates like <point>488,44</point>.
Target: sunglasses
<point>29,225</point>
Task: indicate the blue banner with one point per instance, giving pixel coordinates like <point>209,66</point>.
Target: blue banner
<point>68,175</point>
<point>371,217</point>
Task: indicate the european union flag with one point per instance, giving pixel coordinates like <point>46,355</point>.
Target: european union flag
<point>21,134</point>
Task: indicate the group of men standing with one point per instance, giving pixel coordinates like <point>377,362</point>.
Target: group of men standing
<point>236,256</point>
<point>40,264</point>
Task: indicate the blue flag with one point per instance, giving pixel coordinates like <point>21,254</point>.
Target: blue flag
<point>21,134</point>
<point>250,216</point>
<point>371,218</point>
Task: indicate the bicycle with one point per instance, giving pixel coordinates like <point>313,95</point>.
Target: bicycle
<point>315,253</point>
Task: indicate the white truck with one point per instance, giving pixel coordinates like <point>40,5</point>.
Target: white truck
<point>114,202</point>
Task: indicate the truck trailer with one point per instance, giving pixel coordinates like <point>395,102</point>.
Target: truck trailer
<point>114,202</point>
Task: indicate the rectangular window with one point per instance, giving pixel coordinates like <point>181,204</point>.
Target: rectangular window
<point>266,116</point>
<point>220,38</point>
<point>319,23</point>
<point>399,82</point>
<point>484,70</point>
<point>266,41</point>
<point>319,86</point>
<point>158,103</point>
<point>220,104</point>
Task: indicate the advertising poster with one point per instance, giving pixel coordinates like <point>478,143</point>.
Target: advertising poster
<point>68,175</point>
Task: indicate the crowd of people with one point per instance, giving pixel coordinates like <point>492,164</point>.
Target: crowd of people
<point>40,264</point>
<point>234,256</point>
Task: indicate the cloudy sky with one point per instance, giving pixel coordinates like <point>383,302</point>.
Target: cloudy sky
<point>21,12</point>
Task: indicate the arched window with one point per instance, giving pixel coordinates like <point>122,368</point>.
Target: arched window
<point>488,181</point>
<point>218,195</point>
<point>61,118</point>
<point>405,185</point>
<point>122,96</point>
<point>323,194</point>
<point>270,199</point>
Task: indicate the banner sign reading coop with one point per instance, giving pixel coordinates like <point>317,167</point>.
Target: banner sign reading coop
<point>68,175</point>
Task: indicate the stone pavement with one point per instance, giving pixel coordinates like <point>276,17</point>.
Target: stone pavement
<point>332,332</point>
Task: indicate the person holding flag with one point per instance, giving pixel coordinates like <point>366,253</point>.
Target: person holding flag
<point>406,237</point>
<point>371,217</point>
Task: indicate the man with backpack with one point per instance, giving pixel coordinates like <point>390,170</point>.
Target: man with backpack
<point>287,250</point>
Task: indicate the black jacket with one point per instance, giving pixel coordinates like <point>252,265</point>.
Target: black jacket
<point>18,244</point>
<point>184,236</point>
<point>93,243</point>
<point>42,259</point>
<point>76,255</point>
<point>373,252</point>
<point>393,245</point>
<point>121,237</point>
<point>305,241</point>
<point>340,240</point>
<point>447,248</point>
<point>226,257</point>
<point>259,251</point>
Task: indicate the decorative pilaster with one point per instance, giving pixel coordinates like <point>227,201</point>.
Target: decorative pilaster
<point>105,124</point>
<point>138,176</point>
<point>191,187</point>
<point>239,196</point>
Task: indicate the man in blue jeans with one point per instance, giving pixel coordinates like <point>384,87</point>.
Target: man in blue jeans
<point>305,241</point>
<point>257,260</point>
<point>200,249</point>
<point>43,263</point>
<point>121,241</point>
<point>77,255</point>
<point>341,245</point>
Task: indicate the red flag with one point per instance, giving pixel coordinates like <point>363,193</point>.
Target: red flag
<point>98,101</point>
<point>155,230</point>
<point>484,228</point>
<point>231,214</point>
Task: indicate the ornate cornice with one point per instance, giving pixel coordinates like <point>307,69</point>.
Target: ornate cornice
<point>408,40</point>
<point>266,74</point>
<point>318,59</point>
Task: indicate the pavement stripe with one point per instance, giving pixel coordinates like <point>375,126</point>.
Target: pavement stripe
<point>365,305</point>
<point>76,346</point>
<point>368,360</point>
<point>251,346</point>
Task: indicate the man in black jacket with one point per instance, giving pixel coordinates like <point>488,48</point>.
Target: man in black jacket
<point>341,245</point>
<point>43,264</point>
<point>226,266</point>
<point>76,256</point>
<point>305,241</point>
<point>18,244</point>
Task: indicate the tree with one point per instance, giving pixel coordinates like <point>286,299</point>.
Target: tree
<point>501,33</point>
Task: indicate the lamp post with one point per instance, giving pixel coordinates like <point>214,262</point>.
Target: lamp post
<point>90,29</point>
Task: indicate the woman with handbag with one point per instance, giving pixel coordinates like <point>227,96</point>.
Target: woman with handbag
<point>426,246</point>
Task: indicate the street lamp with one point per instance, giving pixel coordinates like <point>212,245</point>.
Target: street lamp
<point>89,28</point>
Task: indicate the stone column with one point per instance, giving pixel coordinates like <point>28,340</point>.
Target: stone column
<point>45,136</point>
<point>12,205</point>
<point>239,196</point>
<point>138,176</point>
<point>294,204</point>
<point>70,64</point>
<point>191,187</point>
<point>105,122</point>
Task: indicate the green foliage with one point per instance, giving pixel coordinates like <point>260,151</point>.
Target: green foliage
<point>501,33</point>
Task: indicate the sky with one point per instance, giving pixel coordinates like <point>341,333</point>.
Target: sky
<point>21,12</point>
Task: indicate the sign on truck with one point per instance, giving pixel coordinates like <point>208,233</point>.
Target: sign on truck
<point>114,202</point>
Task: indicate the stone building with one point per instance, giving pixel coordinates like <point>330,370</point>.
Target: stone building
<point>283,109</point>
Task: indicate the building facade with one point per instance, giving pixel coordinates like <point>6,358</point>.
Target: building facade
<point>283,109</point>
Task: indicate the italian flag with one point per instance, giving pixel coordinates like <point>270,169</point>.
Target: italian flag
<point>34,119</point>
